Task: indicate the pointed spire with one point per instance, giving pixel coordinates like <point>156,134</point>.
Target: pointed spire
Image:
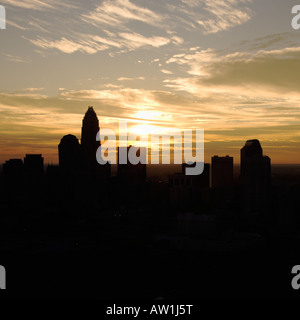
<point>90,128</point>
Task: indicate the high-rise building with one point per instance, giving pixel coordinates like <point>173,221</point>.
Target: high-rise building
<point>96,178</point>
<point>33,176</point>
<point>90,128</point>
<point>69,152</point>
<point>13,178</point>
<point>222,172</point>
<point>13,168</point>
<point>255,178</point>
<point>69,173</point>
<point>34,164</point>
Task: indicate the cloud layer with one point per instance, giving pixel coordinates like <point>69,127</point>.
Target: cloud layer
<point>127,24</point>
<point>163,63</point>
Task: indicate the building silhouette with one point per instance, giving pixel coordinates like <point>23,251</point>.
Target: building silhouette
<point>13,171</point>
<point>61,219</point>
<point>13,168</point>
<point>221,172</point>
<point>69,152</point>
<point>79,169</point>
<point>34,163</point>
<point>255,178</point>
<point>33,169</point>
<point>89,145</point>
<point>33,177</point>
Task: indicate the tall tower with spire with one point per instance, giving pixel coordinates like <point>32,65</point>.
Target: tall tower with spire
<point>89,145</point>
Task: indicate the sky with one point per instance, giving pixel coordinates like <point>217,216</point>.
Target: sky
<point>230,67</point>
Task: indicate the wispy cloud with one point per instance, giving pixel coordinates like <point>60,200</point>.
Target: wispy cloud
<point>31,4</point>
<point>16,25</point>
<point>211,16</point>
<point>135,40</point>
<point>130,79</point>
<point>34,89</point>
<point>39,4</point>
<point>15,58</point>
<point>223,15</point>
<point>118,12</point>
<point>166,71</point>
<point>69,46</point>
<point>117,20</point>
<point>92,44</point>
<point>255,71</point>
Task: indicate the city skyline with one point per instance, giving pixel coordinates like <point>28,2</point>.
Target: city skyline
<point>230,69</point>
<point>74,153</point>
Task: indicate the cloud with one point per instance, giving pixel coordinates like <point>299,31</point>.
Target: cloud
<point>80,32</point>
<point>34,89</point>
<point>223,15</point>
<point>39,5</point>
<point>275,70</point>
<point>262,72</point>
<point>135,40</point>
<point>16,25</point>
<point>177,40</point>
<point>14,58</point>
<point>210,16</point>
<point>119,12</point>
<point>130,79</point>
<point>69,46</point>
<point>166,71</point>
<point>116,24</point>
<point>92,44</point>
<point>30,4</point>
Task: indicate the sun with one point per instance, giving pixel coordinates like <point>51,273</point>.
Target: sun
<point>143,129</point>
<point>144,132</point>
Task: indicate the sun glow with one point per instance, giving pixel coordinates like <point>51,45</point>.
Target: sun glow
<point>144,129</point>
<point>148,115</point>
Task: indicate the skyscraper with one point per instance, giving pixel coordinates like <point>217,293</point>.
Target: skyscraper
<point>13,178</point>
<point>222,172</point>
<point>33,176</point>
<point>255,178</point>
<point>34,164</point>
<point>69,152</point>
<point>90,128</point>
<point>96,179</point>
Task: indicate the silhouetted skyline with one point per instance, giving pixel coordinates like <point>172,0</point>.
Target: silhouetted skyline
<point>145,74</point>
<point>113,228</point>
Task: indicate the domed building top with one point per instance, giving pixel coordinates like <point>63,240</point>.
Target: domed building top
<point>69,151</point>
<point>69,139</point>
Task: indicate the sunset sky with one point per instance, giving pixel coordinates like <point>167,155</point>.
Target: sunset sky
<point>230,67</point>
